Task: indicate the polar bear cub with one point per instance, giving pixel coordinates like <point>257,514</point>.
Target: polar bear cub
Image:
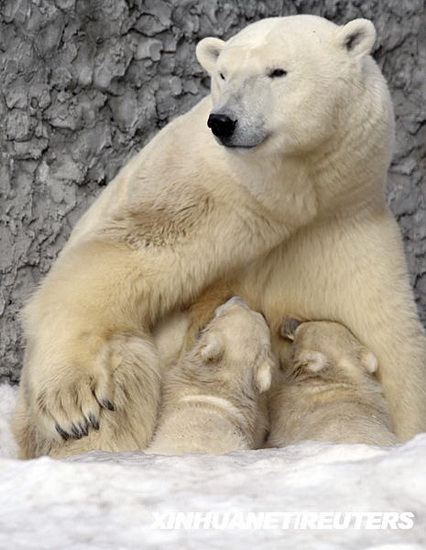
<point>328,390</point>
<point>211,399</point>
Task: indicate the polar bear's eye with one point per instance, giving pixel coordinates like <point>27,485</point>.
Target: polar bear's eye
<point>222,76</point>
<point>276,73</point>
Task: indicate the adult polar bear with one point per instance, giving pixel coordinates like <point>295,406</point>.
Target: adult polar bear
<point>288,202</point>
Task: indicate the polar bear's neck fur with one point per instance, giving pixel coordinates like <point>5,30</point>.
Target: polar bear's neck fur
<point>358,179</point>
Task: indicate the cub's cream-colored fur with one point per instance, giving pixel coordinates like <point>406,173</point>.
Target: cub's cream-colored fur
<point>328,391</point>
<point>212,399</point>
<point>291,208</point>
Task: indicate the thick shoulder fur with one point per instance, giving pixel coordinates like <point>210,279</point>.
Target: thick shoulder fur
<point>160,223</point>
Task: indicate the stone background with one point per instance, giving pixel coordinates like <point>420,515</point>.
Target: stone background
<point>85,83</point>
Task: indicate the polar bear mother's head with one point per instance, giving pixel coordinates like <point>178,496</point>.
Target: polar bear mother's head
<point>289,82</point>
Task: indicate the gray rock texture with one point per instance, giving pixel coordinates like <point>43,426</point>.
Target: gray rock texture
<point>84,84</point>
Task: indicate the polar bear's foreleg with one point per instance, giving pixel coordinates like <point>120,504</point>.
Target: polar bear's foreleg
<point>89,361</point>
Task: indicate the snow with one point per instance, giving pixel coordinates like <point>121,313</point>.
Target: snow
<point>112,500</point>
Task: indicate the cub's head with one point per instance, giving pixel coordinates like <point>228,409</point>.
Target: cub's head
<point>327,351</point>
<point>287,83</point>
<point>234,350</point>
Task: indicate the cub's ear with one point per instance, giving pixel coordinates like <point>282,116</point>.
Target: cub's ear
<point>357,37</point>
<point>211,348</point>
<point>263,376</point>
<point>289,327</point>
<point>208,51</point>
<point>369,360</point>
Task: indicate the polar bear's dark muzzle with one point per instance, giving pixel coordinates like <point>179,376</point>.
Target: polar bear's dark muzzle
<point>222,126</point>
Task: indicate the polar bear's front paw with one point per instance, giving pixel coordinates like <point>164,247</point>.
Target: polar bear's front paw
<point>70,404</point>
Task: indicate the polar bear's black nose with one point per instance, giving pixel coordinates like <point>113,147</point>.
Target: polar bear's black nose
<point>221,125</point>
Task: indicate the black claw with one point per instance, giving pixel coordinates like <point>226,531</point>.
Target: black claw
<point>108,405</point>
<point>76,432</point>
<point>62,433</point>
<point>84,429</point>
<point>94,421</point>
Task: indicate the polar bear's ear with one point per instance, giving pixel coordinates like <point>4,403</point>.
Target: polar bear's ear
<point>212,347</point>
<point>208,51</point>
<point>357,37</point>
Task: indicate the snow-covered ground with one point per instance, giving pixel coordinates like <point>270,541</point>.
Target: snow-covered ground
<point>127,500</point>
